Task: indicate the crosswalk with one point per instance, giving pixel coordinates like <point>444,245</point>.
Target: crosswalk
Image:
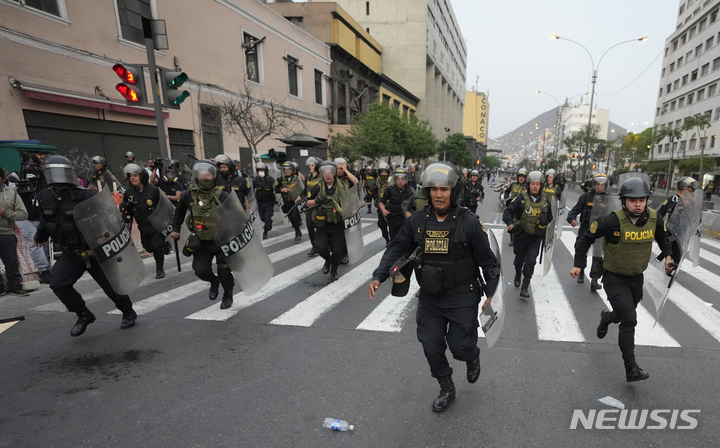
<point>559,310</point>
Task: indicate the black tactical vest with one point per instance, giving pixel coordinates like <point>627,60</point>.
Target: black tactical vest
<point>264,189</point>
<point>395,200</point>
<point>310,183</point>
<point>142,204</point>
<point>60,222</point>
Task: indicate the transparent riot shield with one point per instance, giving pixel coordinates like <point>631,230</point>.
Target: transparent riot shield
<point>694,252</point>
<point>493,316</point>
<point>626,176</point>
<point>254,214</point>
<point>350,202</point>
<point>563,203</point>
<point>549,240</point>
<point>235,235</point>
<point>603,205</point>
<point>161,217</point>
<point>102,226</point>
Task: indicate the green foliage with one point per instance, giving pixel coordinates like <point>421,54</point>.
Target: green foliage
<point>491,162</point>
<point>692,164</point>
<point>420,142</point>
<point>340,146</point>
<point>635,147</point>
<point>457,151</point>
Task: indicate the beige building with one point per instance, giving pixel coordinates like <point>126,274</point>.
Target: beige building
<point>432,70</point>
<point>58,57</point>
<point>476,116</point>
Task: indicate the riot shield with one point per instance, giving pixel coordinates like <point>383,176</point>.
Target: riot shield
<point>603,205</point>
<point>683,224</point>
<point>295,187</point>
<point>350,203</point>
<point>694,252</point>
<point>161,217</point>
<point>234,233</point>
<point>101,224</point>
<point>493,316</point>
<point>549,240</point>
<point>254,214</point>
<point>563,203</point>
<point>626,176</point>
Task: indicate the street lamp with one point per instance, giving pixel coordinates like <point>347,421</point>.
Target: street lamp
<point>594,79</point>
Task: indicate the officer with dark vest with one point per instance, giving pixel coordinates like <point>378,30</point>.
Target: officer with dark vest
<point>102,177</point>
<point>343,173</point>
<point>129,157</point>
<point>417,201</point>
<point>264,186</point>
<point>310,182</point>
<point>413,176</point>
<point>474,191</point>
<point>527,216</point>
<point>391,204</point>
<point>231,180</point>
<point>329,233</point>
<point>582,210</point>
<point>627,248</point>
<point>369,182</point>
<point>454,244</point>
<point>203,196</point>
<point>513,190</point>
<point>375,193</point>
<point>684,183</point>
<point>58,203</point>
<point>139,201</point>
<point>283,187</point>
<point>169,184</point>
<point>551,188</point>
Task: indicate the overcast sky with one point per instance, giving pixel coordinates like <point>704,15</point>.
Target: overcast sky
<point>510,49</point>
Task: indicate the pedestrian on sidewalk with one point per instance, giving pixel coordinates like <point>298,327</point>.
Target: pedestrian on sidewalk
<point>11,209</point>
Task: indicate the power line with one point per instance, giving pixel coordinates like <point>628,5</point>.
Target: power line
<point>638,76</point>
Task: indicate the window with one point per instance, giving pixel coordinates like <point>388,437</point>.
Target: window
<point>667,147</point>
<point>665,109</point>
<point>672,105</point>
<point>396,104</point>
<point>131,13</point>
<point>677,124</point>
<point>712,141</point>
<point>684,79</point>
<point>675,45</point>
<point>713,16</point>
<point>293,78</point>
<point>680,61</point>
<point>708,113</point>
<point>252,60</point>
<point>657,112</point>
<point>681,102</point>
<point>48,6</point>
<point>683,144</point>
<point>690,98</point>
<point>660,93</point>
<point>716,64</point>
<point>666,52</point>
<point>705,69</point>
<point>667,88</point>
<point>712,90</point>
<point>676,84</point>
<point>693,141</point>
<point>319,87</point>
<point>674,146</point>
<point>367,8</point>
<point>672,67</point>
<point>386,99</point>
<point>692,32</point>
<point>703,24</point>
<point>698,50</point>
<point>693,75</point>
<point>717,113</point>
<point>682,9</point>
<point>663,72</point>
<point>405,110</point>
<point>670,125</point>
<point>688,56</point>
<point>211,122</point>
<point>709,43</point>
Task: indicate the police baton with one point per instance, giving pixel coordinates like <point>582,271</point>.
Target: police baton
<point>177,255</point>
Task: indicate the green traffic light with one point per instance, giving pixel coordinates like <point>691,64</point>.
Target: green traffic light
<point>178,80</point>
<point>180,98</point>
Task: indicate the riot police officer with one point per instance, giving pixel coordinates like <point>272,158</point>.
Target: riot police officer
<point>129,157</point>
<point>375,193</point>
<point>418,201</point>
<point>139,201</point>
<point>527,216</point>
<point>58,203</point>
<point>329,231</point>
<point>102,177</point>
<point>684,183</point>
<point>413,176</point>
<point>391,204</point>
<point>550,188</point>
<point>231,180</point>
<point>283,186</point>
<point>264,186</point>
<point>343,173</point>
<point>512,191</point>
<point>454,243</point>
<point>310,182</point>
<point>582,210</point>
<point>183,173</point>
<point>369,182</point>
<point>474,191</point>
<point>203,196</point>
<point>628,236</point>
<point>168,183</point>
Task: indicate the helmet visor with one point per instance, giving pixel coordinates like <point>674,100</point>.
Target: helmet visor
<point>204,170</point>
<point>439,175</point>
<point>60,173</point>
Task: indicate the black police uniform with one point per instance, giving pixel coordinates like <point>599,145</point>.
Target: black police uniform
<point>58,223</point>
<point>329,229</point>
<point>473,191</point>
<point>527,240</point>
<point>140,204</point>
<point>376,193</point>
<point>624,292</point>
<point>668,206</point>
<point>393,199</point>
<point>450,283</point>
<point>170,186</point>
<point>369,180</point>
<point>235,183</point>
<point>105,179</point>
<point>265,197</point>
<point>310,182</point>
<point>288,201</point>
<point>582,210</point>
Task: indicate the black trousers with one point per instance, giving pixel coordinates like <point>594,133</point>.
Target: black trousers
<point>526,250</point>
<point>596,268</point>
<point>294,216</point>
<point>330,238</point>
<point>395,224</point>
<point>68,269</point>
<point>265,210</point>
<point>440,328</point>
<point>9,257</point>
<point>310,228</point>
<point>154,243</point>
<point>624,292</point>
<point>202,265</point>
<point>383,224</point>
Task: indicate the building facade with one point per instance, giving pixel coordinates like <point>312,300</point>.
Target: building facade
<point>432,70</point>
<point>689,83</point>
<point>476,116</point>
<point>574,117</point>
<point>58,55</point>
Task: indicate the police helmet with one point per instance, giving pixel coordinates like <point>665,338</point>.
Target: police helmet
<point>261,166</point>
<point>339,161</point>
<point>535,176</point>
<point>99,160</point>
<point>412,165</point>
<point>296,166</point>
<point>175,163</point>
<point>522,172</point>
<point>550,172</point>
<point>222,159</point>
<point>134,168</point>
<point>327,166</point>
<point>401,173</point>
<point>59,170</point>
<point>204,166</point>
<point>311,160</point>
<point>465,171</point>
<point>600,179</point>
<point>442,174</point>
<point>382,166</point>
<point>130,154</point>
<point>687,181</point>
<point>288,166</point>
<point>634,187</point>
<point>474,173</point>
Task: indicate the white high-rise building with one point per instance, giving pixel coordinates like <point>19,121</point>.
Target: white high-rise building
<point>689,82</point>
<point>575,116</point>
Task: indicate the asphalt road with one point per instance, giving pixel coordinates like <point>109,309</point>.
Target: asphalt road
<point>266,372</point>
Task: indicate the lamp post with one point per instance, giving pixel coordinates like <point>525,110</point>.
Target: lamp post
<point>592,94</point>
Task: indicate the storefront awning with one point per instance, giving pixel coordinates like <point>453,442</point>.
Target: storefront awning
<point>55,95</point>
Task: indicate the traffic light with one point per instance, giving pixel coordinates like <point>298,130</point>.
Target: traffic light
<point>170,81</point>
<point>133,86</point>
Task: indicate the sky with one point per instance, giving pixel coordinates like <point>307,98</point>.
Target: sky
<point>512,55</point>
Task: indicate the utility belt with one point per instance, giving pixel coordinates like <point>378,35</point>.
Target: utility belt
<point>86,254</point>
<point>474,286</point>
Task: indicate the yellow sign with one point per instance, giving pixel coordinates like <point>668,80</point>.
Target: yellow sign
<point>437,246</point>
<point>644,235</point>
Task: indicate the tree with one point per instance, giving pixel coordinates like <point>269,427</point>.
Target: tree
<point>694,164</point>
<point>575,144</point>
<point>420,142</point>
<point>701,122</point>
<point>491,162</point>
<point>378,132</point>
<point>257,118</point>
<point>635,147</point>
<point>341,146</point>
<point>457,151</point>
<point>672,135</point>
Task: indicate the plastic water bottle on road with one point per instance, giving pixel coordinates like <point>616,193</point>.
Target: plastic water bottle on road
<point>338,425</point>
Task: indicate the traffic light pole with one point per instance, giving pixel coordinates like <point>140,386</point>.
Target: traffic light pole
<point>159,119</point>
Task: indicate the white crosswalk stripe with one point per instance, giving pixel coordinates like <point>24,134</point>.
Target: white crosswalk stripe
<point>555,318</point>
<point>390,314</point>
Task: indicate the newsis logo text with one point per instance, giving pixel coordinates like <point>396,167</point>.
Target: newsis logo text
<point>634,419</point>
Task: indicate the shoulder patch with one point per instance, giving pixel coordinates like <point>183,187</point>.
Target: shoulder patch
<point>593,227</point>
<point>616,233</point>
<point>664,203</point>
<point>482,226</point>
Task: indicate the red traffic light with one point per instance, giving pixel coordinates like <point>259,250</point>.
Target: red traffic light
<point>128,93</point>
<point>127,74</point>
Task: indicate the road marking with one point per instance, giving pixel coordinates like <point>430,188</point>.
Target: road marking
<point>311,309</point>
<point>555,318</point>
<point>390,314</point>
<point>696,309</point>
<point>295,249</point>
<point>174,295</point>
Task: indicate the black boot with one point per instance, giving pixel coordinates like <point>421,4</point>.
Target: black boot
<point>85,318</point>
<point>524,293</point>
<point>227,300</point>
<point>128,320</point>
<point>326,267</point>
<point>265,232</point>
<point>518,278</point>
<point>473,369</point>
<point>595,285</point>
<point>333,274</point>
<point>581,277</point>
<point>313,252</point>
<point>605,321</point>
<point>636,374</point>
<point>447,394</point>
<point>298,235</point>
<point>214,289</point>
<point>159,272</point>
<point>345,260</point>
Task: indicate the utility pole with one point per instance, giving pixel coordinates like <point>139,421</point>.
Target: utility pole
<point>159,119</point>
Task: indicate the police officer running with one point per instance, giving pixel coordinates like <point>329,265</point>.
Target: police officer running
<point>512,191</point>
<point>58,203</point>
<point>310,182</point>
<point>376,193</point>
<point>283,186</point>
<point>232,180</point>
<point>391,204</point>
<point>684,183</point>
<point>369,182</point>
<point>264,186</point>
<point>168,183</point>
<point>454,243</point>
<point>139,201</point>
<point>582,210</point>
<point>551,188</point>
<point>527,216</point>
<point>627,247</point>
<point>474,191</point>
<point>102,177</point>
<point>202,197</point>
